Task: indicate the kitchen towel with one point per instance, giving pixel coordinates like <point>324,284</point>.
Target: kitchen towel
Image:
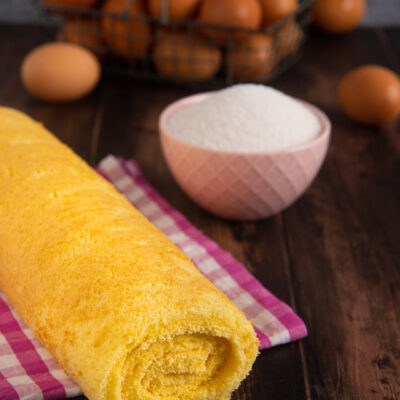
<point>28,371</point>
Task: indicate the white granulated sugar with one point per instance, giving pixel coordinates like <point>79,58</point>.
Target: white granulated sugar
<point>245,118</point>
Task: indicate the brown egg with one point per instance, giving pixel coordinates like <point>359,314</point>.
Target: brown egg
<point>84,32</point>
<point>370,94</point>
<point>129,38</point>
<point>186,59</point>
<point>274,10</point>
<point>237,13</point>
<point>177,9</point>
<point>60,72</point>
<point>253,59</point>
<point>72,3</point>
<point>338,16</point>
<point>288,38</point>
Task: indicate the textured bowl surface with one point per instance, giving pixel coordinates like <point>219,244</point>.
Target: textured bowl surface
<point>244,186</point>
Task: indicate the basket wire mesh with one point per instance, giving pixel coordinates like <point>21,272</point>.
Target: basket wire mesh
<point>190,51</point>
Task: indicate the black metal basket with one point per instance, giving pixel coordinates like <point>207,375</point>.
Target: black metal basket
<point>183,50</point>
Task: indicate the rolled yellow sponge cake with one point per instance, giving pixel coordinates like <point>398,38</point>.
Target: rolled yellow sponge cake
<point>121,308</point>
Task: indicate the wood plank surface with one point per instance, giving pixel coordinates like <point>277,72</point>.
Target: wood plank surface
<point>343,236</point>
<point>334,256</point>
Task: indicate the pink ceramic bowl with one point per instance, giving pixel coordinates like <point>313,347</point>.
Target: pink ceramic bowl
<point>244,186</point>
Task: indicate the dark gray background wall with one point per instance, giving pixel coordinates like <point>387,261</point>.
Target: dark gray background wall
<point>380,12</point>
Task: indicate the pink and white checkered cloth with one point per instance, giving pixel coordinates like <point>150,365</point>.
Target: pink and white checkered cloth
<point>27,369</point>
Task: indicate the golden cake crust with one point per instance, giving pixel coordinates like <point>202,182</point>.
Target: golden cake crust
<point>121,308</point>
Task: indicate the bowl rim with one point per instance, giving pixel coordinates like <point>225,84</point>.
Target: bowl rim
<point>323,135</point>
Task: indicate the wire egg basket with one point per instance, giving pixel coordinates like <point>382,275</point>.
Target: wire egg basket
<point>181,50</point>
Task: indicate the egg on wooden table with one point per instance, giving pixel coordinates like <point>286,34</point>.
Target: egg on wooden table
<point>338,16</point>
<point>370,94</point>
<point>60,72</point>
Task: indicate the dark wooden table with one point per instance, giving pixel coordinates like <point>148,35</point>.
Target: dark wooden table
<point>334,256</point>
